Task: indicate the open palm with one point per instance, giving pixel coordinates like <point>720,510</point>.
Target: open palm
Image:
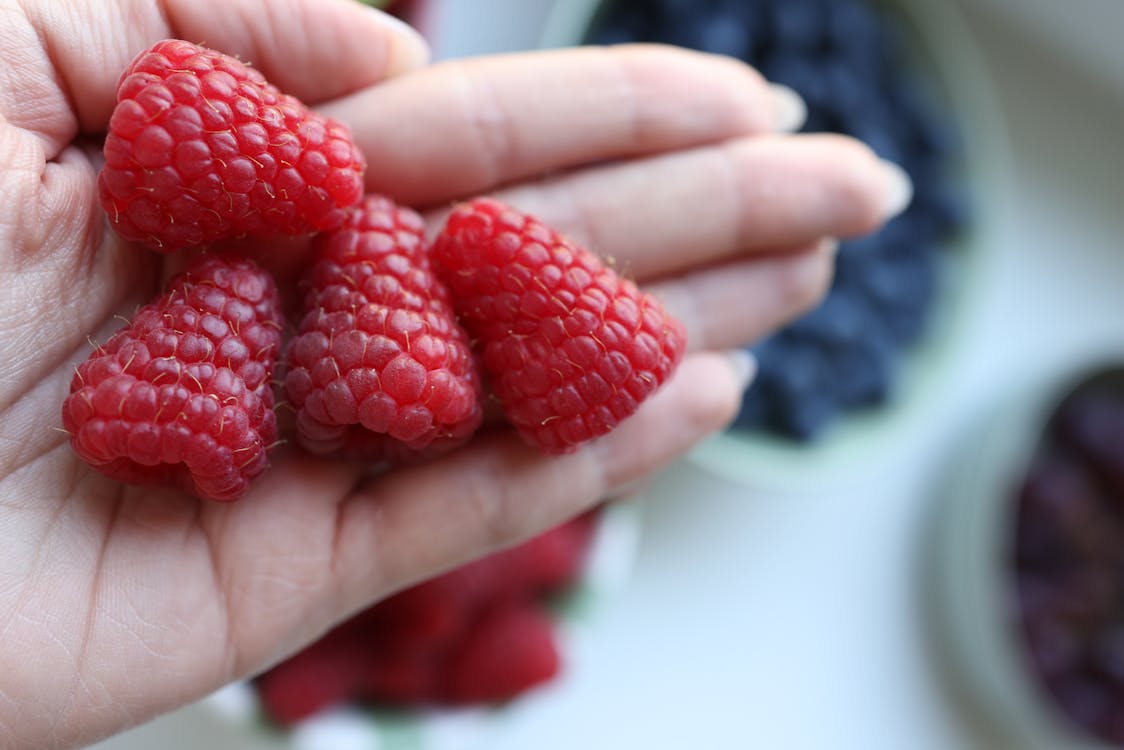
<point>118,603</point>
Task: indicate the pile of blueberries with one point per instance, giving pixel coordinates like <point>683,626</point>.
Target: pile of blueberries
<point>854,70</point>
<point>1068,558</point>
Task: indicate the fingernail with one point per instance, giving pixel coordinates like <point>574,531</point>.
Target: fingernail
<point>413,50</point>
<point>629,489</point>
<point>744,366</point>
<point>898,189</point>
<point>789,109</point>
<point>829,246</point>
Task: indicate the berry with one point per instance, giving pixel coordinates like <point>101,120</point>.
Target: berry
<point>545,564</point>
<point>201,148</point>
<point>475,634</point>
<point>510,650</point>
<point>379,367</point>
<point>440,608</point>
<point>402,676</point>
<point>181,396</point>
<point>322,675</point>
<point>570,347</point>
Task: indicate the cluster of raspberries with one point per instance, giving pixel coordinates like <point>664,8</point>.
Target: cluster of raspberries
<point>481,633</point>
<point>399,338</point>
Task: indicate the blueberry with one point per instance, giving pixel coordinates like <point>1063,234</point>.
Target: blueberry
<point>671,11</point>
<point>930,130</point>
<point>881,138</point>
<point>612,33</point>
<point>800,26</point>
<point>820,120</point>
<point>622,22</point>
<point>852,27</point>
<point>805,417</point>
<point>794,377</point>
<point>946,208</point>
<point>802,74</point>
<point>903,279</point>
<point>863,373</point>
<point>755,408</point>
<point>723,33</point>
<point>838,320</point>
<point>793,364</point>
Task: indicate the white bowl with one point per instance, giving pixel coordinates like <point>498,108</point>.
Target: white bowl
<point>945,51</point>
<point>608,567</point>
<point>969,577</point>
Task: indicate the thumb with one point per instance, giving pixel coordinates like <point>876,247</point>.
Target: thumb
<point>315,50</point>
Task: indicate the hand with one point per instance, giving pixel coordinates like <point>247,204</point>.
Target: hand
<point>118,603</point>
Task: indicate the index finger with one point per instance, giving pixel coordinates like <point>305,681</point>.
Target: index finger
<point>467,126</point>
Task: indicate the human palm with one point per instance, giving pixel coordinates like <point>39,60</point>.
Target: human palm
<point>118,602</point>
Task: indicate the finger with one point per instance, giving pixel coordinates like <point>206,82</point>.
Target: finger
<point>499,491</point>
<point>662,214</point>
<point>313,49</point>
<point>731,305</point>
<point>475,124</point>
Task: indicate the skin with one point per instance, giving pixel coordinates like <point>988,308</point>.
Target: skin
<point>119,603</point>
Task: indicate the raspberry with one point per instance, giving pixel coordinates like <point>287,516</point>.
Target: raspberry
<point>439,607</point>
<point>550,562</point>
<point>402,676</point>
<point>379,367</point>
<point>472,634</point>
<point>201,148</point>
<point>571,348</point>
<point>181,396</point>
<point>322,675</point>
<point>509,650</point>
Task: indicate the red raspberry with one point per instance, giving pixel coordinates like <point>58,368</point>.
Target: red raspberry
<point>402,676</point>
<point>571,348</point>
<point>550,562</point>
<point>323,675</point>
<point>202,148</point>
<point>439,608</point>
<point>416,646</point>
<point>181,396</point>
<point>379,367</point>
<point>509,650</point>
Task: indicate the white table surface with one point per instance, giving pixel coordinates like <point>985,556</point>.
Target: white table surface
<point>794,620</point>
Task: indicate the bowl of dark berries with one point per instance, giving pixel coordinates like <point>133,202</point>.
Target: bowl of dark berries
<point>904,77</point>
<point>1028,564</point>
<point>443,663</point>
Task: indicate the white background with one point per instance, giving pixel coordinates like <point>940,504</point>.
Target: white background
<point>771,619</point>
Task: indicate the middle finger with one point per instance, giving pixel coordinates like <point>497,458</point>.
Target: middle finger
<point>666,214</point>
